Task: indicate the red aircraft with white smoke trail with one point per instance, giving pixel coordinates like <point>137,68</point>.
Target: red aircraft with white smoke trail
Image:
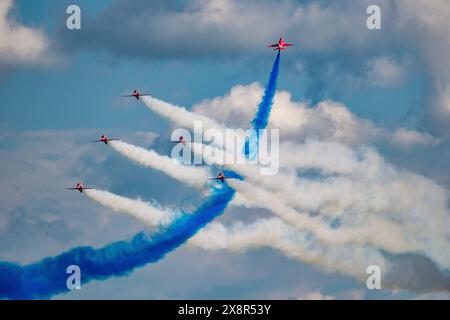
<point>136,94</point>
<point>104,139</point>
<point>80,187</point>
<point>181,140</point>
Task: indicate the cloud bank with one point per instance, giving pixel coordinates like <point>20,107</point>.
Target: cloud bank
<point>334,41</point>
<point>20,45</point>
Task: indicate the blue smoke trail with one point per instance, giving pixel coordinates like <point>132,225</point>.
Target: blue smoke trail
<point>48,277</point>
<point>232,174</point>
<point>262,115</point>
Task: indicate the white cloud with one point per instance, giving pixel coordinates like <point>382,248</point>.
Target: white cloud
<point>19,44</point>
<point>385,72</point>
<point>316,295</point>
<point>429,23</point>
<point>408,138</point>
<point>298,121</point>
<point>434,296</point>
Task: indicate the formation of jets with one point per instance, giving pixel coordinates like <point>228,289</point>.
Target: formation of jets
<point>103,138</point>
<point>80,187</point>
<point>280,45</point>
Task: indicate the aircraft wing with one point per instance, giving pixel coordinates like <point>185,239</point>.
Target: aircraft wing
<point>72,188</point>
<point>128,95</point>
<point>288,44</point>
<point>97,141</point>
<point>273,45</point>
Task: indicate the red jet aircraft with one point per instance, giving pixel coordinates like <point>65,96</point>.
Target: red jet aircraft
<point>104,139</point>
<point>220,177</point>
<point>136,94</point>
<point>181,140</point>
<point>79,186</point>
<point>280,45</point>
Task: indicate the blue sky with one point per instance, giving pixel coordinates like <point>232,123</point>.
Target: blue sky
<point>52,103</point>
<point>90,82</point>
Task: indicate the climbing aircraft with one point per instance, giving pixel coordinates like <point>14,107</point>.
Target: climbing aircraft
<point>280,45</point>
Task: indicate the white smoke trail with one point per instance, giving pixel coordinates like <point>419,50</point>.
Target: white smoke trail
<point>179,115</point>
<point>329,157</point>
<point>273,233</point>
<point>374,205</point>
<point>218,156</point>
<point>374,194</point>
<point>143,211</point>
<point>264,199</point>
<point>210,128</point>
<point>194,176</point>
<point>376,232</point>
<point>367,192</point>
